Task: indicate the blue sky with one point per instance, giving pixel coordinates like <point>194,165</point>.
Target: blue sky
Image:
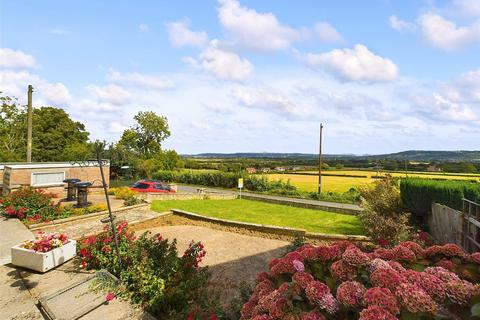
<point>383,76</point>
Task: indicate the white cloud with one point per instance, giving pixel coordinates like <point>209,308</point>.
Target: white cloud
<point>15,59</point>
<point>438,108</point>
<point>469,8</point>
<point>55,93</point>
<point>140,80</point>
<point>180,35</point>
<point>58,31</point>
<point>325,32</point>
<point>253,30</point>
<point>222,64</point>
<point>143,27</point>
<point>267,99</point>
<point>400,25</point>
<point>357,64</point>
<point>110,93</point>
<point>15,83</point>
<point>445,34</point>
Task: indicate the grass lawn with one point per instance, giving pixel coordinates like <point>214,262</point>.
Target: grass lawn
<point>268,214</point>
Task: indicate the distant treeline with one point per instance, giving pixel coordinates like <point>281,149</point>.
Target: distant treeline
<point>290,164</point>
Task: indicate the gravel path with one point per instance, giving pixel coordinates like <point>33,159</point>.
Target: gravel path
<point>233,259</point>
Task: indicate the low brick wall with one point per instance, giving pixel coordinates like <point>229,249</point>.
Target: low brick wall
<point>80,218</point>
<point>294,203</point>
<point>149,197</point>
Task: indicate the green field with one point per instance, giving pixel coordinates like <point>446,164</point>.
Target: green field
<point>268,214</point>
<point>343,184</point>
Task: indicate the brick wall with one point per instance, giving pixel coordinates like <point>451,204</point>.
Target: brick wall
<point>23,176</point>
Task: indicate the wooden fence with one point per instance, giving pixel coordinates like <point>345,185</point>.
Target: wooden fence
<point>460,227</point>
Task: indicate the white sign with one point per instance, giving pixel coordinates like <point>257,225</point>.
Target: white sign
<point>240,183</point>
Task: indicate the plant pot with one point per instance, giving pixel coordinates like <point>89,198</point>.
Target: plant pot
<point>43,261</point>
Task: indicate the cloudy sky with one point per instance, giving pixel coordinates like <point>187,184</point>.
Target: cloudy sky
<point>236,76</point>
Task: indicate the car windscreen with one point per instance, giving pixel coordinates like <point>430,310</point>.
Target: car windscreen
<point>140,185</point>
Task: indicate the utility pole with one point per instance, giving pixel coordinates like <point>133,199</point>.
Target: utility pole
<point>320,160</point>
<point>29,124</point>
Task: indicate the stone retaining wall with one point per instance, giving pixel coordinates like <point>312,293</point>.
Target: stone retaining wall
<point>293,203</point>
<point>81,218</point>
<point>149,197</point>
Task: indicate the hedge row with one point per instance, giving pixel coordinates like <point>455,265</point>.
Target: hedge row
<point>418,194</point>
<point>228,180</point>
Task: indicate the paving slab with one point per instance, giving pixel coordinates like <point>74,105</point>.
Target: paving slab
<point>15,299</point>
<point>12,232</point>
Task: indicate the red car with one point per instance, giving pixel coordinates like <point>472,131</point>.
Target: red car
<point>152,186</point>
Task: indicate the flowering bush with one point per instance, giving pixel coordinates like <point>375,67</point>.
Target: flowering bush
<point>31,206</point>
<point>45,242</point>
<point>153,273</point>
<point>342,281</point>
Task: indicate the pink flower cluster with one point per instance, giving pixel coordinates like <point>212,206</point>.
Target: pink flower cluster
<point>341,280</point>
<point>46,242</point>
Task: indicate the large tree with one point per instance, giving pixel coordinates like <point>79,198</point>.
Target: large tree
<point>146,136</point>
<point>12,130</point>
<point>56,136</point>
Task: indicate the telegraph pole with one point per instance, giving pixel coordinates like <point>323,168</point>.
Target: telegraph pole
<point>29,124</point>
<point>320,160</point>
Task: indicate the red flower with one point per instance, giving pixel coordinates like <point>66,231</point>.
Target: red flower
<point>109,297</point>
<point>376,313</point>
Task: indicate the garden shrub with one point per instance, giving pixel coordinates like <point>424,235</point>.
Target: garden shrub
<point>418,194</point>
<point>342,281</point>
<point>383,218</point>
<point>153,273</point>
<point>124,193</point>
<point>31,206</point>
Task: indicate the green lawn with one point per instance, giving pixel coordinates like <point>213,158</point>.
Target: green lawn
<point>267,213</point>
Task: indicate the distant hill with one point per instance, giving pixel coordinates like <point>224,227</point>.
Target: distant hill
<point>411,155</point>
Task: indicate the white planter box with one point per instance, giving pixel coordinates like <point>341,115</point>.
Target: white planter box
<point>43,261</point>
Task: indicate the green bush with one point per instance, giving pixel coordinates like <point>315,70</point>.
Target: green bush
<point>154,274</point>
<point>417,194</point>
<point>383,218</point>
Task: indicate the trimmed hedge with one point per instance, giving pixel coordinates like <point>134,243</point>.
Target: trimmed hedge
<point>418,194</point>
<point>228,180</point>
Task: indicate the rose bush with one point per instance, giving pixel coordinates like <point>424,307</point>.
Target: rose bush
<point>342,281</point>
<point>154,275</point>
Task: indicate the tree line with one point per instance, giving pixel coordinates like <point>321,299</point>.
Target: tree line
<point>57,137</point>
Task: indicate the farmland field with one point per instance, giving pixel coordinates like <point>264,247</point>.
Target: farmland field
<point>343,184</point>
<point>268,214</point>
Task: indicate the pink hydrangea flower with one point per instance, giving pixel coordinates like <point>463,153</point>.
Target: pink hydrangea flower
<point>312,315</point>
<point>459,291</point>
<point>298,265</point>
<point>381,297</point>
<point>378,263</point>
<point>376,313</point>
<point>302,278</point>
<point>386,278</point>
<point>415,247</point>
<point>350,293</point>
<point>385,254</point>
<point>264,288</point>
<point>442,273</point>
<point>402,253</point>
<point>433,285</point>
<point>318,293</point>
<point>355,257</point>
<point>446,264</point>
<point>415,299</point>
<point>343,271</point>
<point>475,257</point>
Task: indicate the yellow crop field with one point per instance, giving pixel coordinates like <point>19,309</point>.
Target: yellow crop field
<point>343,184</point>
<point>309,183</point>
